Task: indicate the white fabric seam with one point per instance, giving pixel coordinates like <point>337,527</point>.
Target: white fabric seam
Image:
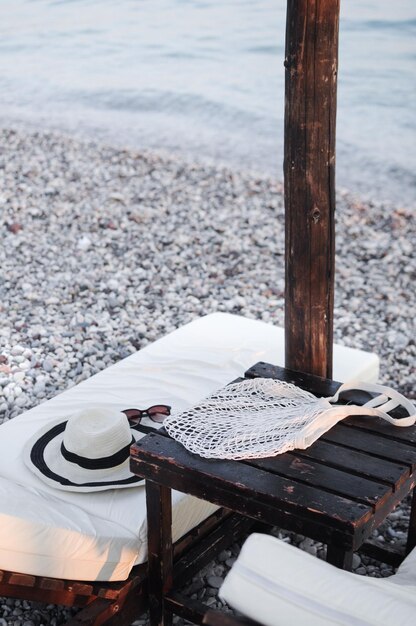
<point>296,598</point>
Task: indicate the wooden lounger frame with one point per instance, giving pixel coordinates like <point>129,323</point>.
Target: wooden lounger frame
<point>120,603</point>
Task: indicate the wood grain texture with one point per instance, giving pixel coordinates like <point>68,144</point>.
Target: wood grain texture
<point>309,177</point>
<point>318,385</point>
<point>246,489</point>
<point>160,556</point>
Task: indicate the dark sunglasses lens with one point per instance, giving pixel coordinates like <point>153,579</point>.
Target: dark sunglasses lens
<point>159,408</point>
<point>133,414</point>
<point>158,412</point>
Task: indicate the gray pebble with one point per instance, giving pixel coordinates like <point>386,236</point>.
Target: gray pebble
<point>112,301</point>
<point>17,351</point>
<point>308,545</point>
<point>224,555</point>
<point>215,581</point>
<point>22,400</point>
<point>39,386</point>
<point>84,243</point>
<point>47,365</point>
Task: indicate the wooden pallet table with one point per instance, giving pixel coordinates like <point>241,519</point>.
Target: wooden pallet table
<point>337,491</point>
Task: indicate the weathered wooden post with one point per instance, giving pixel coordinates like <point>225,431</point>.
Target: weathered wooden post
<point>309,176</point>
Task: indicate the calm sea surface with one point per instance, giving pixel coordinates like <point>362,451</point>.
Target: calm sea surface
<point>205,78</point>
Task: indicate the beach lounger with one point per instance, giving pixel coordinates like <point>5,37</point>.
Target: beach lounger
<point>50,539</point>
<point>277,584</point>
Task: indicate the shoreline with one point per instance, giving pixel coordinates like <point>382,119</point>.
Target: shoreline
<point>372,190</point>
<point>142,242</point>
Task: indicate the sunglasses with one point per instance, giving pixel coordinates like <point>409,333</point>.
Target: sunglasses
<point>156,413</point>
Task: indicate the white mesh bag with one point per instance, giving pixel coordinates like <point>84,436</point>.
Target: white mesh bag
<point>263,417</point>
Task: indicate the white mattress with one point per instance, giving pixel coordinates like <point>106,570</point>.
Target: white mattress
<point>279,585</point>
<point>101,536</point>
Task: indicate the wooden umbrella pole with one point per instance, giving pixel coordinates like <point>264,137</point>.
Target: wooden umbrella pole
<point>309,175</point>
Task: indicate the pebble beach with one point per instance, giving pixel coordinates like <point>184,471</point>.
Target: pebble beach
<point>105,250</point>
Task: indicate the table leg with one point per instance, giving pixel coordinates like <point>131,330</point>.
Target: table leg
<point>159,531</point>
<point>339,557</point>
<point>411,537</point>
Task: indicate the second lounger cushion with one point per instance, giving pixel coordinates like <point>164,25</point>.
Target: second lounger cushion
<point>280,585</point>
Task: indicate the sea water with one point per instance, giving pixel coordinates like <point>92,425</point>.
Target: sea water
<point>205,78</point>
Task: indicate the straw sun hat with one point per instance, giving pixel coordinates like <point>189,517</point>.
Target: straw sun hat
<point>88,452</point>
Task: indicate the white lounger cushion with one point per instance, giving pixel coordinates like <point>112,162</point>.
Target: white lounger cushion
<point>280,585</point>
<point>101,536</point>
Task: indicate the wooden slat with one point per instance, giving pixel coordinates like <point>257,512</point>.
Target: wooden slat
<point>399,495</point>
<point>70,587</point>
<point>358,463</point>
<point>25,580</point>
<point>94,614</point>
<point>329,479</point>
<point>56,584</point>
<point>35,594</point>
<point>82,588</point>
<point>230,531</point>
<point>383,428</point>
<point>189,609</point>
<point>384,554</point>
<point>240,487</point>
<point>314,384</point>
<point>196,611</point>
<point>373,444</point>
<point>195,535</point>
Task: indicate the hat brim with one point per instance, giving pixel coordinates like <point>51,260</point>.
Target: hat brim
<point>42,455</point>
